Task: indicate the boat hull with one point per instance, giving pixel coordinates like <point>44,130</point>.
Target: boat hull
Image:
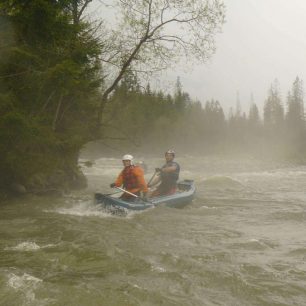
<point>185,194</point>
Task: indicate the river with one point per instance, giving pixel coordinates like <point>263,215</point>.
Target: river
<point>242,241</point>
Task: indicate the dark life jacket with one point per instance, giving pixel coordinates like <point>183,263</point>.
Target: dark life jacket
<point>169,179</point>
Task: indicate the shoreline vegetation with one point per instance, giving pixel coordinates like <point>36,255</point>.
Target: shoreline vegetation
<point>56,99</point>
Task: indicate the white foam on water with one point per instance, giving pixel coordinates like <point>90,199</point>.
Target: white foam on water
<point>158,269</point>
<point>89,209</point>
<point>254,240</point>
<point>86,209</point>
<point>258,242</point>
<point>24,246</point>
<point>27,246</point>
<point>83,209</point>
<point>207,207</point>
<point>136,286</point>
<point>25,283</point>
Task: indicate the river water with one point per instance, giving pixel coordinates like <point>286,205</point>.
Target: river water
<point>242,241</point>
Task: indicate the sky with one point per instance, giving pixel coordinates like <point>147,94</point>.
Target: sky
<point>262,40</point>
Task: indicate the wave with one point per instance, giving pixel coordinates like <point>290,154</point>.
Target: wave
<point>28,246</point>
<point>26,284</point>
<point>24,281</point>
<point>223,182</point>
<point>81,209</point>
<point>89,209</point>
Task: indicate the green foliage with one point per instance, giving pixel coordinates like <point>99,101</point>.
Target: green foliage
<point>49,82</point>
<point>51,89</point>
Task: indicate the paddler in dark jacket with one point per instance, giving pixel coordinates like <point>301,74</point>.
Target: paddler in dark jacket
<point>167,176</point>
<point>131,178</point>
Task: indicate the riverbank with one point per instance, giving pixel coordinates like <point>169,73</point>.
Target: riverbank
<point>58,184</point>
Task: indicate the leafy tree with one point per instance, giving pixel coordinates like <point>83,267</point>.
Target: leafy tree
<point>49,88</point>
<point>150,41</point>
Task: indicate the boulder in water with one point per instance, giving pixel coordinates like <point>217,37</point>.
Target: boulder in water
<point>78,181</point>
<point>18,189</point>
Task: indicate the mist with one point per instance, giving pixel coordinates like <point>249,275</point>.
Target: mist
<point>261,41</point>
<point>246,98</point>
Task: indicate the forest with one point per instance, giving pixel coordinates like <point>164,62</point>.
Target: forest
<point>66,81</point>
<point>147,121</point>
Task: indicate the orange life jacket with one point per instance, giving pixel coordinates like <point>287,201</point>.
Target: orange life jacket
<point>132,179</point>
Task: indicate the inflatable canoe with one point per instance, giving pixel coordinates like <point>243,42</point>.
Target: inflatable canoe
<point>183,196</point>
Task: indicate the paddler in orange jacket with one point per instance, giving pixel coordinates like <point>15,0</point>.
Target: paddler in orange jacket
<point>131,178</point>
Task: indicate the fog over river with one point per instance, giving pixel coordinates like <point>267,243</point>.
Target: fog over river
<point>242,241</point>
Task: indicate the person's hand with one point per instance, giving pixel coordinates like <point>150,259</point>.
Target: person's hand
<point>112,185</point>
<point>158,170</point>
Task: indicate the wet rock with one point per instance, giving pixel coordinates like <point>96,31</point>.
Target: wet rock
<point>88,163</point>
<point>37,181</point>
<point>78,181</point>
<point>58,178</point>
<point>18,189</point>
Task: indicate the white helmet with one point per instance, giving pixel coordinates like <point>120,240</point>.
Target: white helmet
<point>127,157</point>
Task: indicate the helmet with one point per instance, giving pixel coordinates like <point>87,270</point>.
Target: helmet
<point>170,152</point>
<point>127,157</point>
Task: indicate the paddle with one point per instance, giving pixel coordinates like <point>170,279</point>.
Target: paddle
<point>130,193</point>
<point>133,194</point>
<point>151,179</point>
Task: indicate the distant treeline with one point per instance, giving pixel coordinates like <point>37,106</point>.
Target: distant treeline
<point>152,121</point>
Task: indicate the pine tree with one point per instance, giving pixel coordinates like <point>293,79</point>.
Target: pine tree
<point>295,117</point>
<point>254,118</point>
<point>295,103</point>
<point>273,110</point>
